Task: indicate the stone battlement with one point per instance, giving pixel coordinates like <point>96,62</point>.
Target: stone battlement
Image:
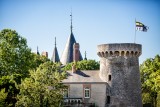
<point>119,49</point>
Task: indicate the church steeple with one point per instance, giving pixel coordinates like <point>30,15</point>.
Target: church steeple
<point>55,56</point>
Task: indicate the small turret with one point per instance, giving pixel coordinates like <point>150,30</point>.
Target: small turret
<point>37,51</point>
<point>55,56</point>
<point>85,56</point>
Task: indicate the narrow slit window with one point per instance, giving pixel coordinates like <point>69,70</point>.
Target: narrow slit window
<point>109,77</point>
<point>108,99</point>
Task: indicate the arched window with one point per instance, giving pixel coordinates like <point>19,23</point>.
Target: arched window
<point>86,92</point>
<point>122,53</point>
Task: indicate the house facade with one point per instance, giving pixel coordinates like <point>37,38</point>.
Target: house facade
<point>85,88</point>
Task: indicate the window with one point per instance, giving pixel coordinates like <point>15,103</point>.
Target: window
<point>86,92</point>
<point>66,93</point>
<point>109,77</point>
<point>108,99</point>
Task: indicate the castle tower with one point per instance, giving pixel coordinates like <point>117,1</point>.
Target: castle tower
<point>55,56</point>
<point>119,67</point>
<point>67,55</point>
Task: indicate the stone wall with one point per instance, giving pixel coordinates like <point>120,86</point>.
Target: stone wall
<point>119,67</point>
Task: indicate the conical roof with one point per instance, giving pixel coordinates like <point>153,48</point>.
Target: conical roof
<point>37,51</point>
<point>67,55</point>
<point>55,56</point>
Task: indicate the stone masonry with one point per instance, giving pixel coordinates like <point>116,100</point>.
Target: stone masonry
<point>119,67</point>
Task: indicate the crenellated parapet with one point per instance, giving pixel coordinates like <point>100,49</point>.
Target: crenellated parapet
<point>119,67</point>
<point>120,49</point>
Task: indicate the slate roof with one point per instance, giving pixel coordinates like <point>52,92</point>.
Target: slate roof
<point>67,55</point>
<point>88,76</point>
<point>55,55</point>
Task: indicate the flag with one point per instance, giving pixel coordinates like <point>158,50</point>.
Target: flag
<point>141,27</point>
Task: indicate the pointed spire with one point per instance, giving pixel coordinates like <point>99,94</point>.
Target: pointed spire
<point>55,42</point>
<point>55,56</point>
<point>37,51</point>
<point>85,58</point>
<point>71,21</point>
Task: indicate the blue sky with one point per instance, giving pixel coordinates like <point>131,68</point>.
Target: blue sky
<point>94,22</point>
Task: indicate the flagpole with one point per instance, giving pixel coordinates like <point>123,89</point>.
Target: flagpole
<point>135,32</point>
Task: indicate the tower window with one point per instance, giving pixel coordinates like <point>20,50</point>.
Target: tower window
<point>108,99</point>
<point>109,77</point>
<point>86,92</point>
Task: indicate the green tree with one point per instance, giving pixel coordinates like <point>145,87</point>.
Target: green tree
<point>38,60</point>
<point>3,96</point>
<point>16,60</point>
<point>15,56</point>
<point>43,87</point>
<point>83,65</point>
<point>150,71</point>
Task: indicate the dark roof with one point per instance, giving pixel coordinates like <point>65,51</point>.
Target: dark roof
<point>67,55</point>
<point>55,56</point>
<point>88,76</point>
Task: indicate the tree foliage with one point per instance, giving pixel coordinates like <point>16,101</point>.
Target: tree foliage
<point>38,60</point>
<point>150,78</point>
<point>3,96</point>
<point>16,60</point>
<point>83,65</point>
<point>15,56</point>
<point>42,88</point>
<point>8,88</point>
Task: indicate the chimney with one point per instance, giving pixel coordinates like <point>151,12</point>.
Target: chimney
<point>73,68</point>
<point>45,54</point>
<point>76,52</point>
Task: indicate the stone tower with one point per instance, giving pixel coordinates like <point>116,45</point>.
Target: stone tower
<point>119,67</point>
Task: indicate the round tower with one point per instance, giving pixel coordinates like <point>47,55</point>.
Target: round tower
<point>119,67</point>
